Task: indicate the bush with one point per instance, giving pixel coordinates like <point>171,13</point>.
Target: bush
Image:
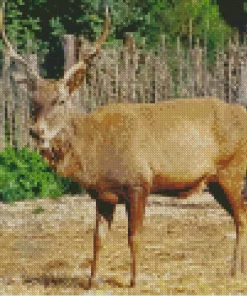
<point>25,175</point>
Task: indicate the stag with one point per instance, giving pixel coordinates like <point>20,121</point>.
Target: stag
<point>123,152</point>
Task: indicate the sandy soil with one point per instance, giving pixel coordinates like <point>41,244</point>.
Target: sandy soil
<point>188,248</point>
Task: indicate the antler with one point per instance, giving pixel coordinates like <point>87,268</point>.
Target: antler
<point>11,51</point>
<point>102,38</point>
<point>81,65</point>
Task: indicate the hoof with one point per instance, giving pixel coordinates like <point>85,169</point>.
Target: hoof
<point>132,283</point>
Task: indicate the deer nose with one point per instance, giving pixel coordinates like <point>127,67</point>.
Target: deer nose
<point>36,134</point>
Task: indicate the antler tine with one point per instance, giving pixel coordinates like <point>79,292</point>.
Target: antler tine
<point>11,51</point>
<point>82,63</point>
<point>102,38</point>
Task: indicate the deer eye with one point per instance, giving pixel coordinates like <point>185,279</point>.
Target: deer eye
<point>53,102</point>
<point>57,102</point>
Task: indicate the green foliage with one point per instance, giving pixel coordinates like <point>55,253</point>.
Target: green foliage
<point>44,22</point>
<point>22,27</point>
<point>151,18</point>
<point>25,175</point>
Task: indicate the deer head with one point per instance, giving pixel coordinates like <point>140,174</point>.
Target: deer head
<point>51,98</point>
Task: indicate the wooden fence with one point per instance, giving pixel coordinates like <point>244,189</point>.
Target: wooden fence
<point>129,74</point>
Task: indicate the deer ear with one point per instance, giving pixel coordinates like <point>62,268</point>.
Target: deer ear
<point>74,77</point>
<point>76,80</point>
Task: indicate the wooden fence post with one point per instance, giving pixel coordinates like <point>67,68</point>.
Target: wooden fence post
<point>242,99</point>
<point>197,60</point>
<point>70,49</point>
<point>8,102</point>
<point>4,98</point>
<point>26,139</point>
<point>2,117</point>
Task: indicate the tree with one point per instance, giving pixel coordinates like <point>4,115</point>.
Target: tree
<point>45,21</point>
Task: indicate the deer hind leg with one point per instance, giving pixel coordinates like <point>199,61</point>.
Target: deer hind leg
<point>220,196</point>
<point>136,209</point>
<point>104,217</point>
<point>228,193</point>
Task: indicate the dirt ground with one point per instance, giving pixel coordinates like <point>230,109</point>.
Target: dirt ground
<point>46,248</point>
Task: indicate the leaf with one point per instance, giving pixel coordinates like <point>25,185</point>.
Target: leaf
<point>24,174</point>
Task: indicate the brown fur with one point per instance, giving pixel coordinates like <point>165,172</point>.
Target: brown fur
<point>123,152</point>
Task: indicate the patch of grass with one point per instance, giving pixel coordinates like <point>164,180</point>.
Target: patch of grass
<point>38,210</point>
<point>25,175</point>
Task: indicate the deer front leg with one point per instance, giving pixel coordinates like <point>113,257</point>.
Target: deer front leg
<point>104,213</point>
<point>136,210</point>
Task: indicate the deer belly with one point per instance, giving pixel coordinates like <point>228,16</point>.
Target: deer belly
<point>177,187</point>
